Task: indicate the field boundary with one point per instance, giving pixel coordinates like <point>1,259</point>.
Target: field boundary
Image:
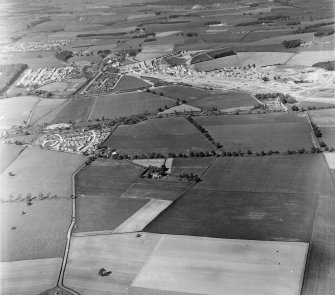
<point>19,153</point>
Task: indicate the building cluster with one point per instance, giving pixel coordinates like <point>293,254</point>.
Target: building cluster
<point>42,76</point>
<point>104,82</point>
<point>35,46</point>
<point>83,142</point>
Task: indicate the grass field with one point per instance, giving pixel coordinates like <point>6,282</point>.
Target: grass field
<point>29,276</point>
<point>108,178</point>
<point>8,153</point>
<point>123,254</point>
<point>257,133</point>
<point>50,117</point>
<point>150,162</point>
<point>208,99</point>
<point>64,87</point>
<point>16,110</point>
<point>47,221</point>
<point>115,106</point>
<point>188,165</point>
<point>180,108</point>
<point>130,83</point>
<point>281,174</point>
<point>156,189</point>
<point>40,171</point>
<point>158,135</point>
<point>239,215</point>
<point>45,107</point>
<point>76,110</point>
<point>260,35</point>
<point>191,265</point>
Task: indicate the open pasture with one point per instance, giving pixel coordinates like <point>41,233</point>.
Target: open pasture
<point>8,154</point>
<point>323,118</point>
<point>76,110</point>
<point>40,232</point>
<point>29,277</point>
<point>260,35</point>
<point>128,83</point>
<point>239,215</point>
<point>38,171</point>
<point>308,58</point>
<point>166,135</point>
<point>203,98</point>
<point>328,136</point>
<point>320,267</point>
<point>192,265</point>
<point>50,117</point>
<point>124,255</point>
<point>156,189</point>
<point>16,110</point>
<point>127,104</point>
<point>259,132</point>
<point>109,178</point>
<point>44,107</point>
<point>283,174</point>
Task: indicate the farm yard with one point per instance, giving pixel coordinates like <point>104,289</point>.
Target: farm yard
<point>259,132</point>
<point>207,99</point>
<point>46,220</point>
<point>127,104</point>
<point>170,135</point>
<point>38,171</point>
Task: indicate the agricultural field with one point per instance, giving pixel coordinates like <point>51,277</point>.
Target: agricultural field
<point>239,215</point>
<point>259,132</point>
<point>16,110</point>
<point>179,265</point>
<point>175,135</point>
<point>8,154</point>
<point>243,59</point>
<point>320,268</point>
<point>108,178</point>
<point>44,107</point>
<point>128,83</point>
<point>330,158</point>
<point>190,165</point>
<point>309,58</point>
<point>156,189</point>
<point>35,275</point>
<point>38,171</point>
<point>325,120</point>
<point>104,213</point>
<point>141,218</point>
<point>77,110</point>
<point>309,174</point>
<point>180,109</point>
<point>46,220</point>
<point>8,75</point>
<point>91,253</point>
<point>208,99</point>
<point>51,116</point>
<point>127,104</point>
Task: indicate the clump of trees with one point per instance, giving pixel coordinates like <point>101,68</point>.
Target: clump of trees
<point>292,43</point>
<point>154,172</point>
<point>213,22</point>
<point>284,98</point>
<point>327,65</point>
<point>324,32</point>
<point>190,177</point>
<point>103,272</point>
<point>316,129</point>
<point>224,54</point>
<point>64,55</point>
